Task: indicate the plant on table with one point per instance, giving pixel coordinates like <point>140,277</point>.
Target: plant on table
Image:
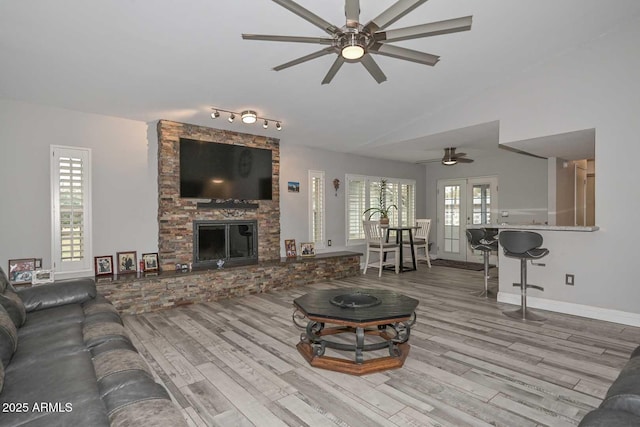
<point>384,194</point>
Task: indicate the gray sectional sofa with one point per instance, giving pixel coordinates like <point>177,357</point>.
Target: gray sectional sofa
<point>621,405</point>
<point>66,360</point>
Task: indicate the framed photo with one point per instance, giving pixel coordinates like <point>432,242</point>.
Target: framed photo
<point>42,276</point>
<point>104,265</point>
<point>290,248</point>
<point>127,262</point>
<point>293,187</point>
<point>308,249</point>
<point>21,270</point>
<point>150,261</point>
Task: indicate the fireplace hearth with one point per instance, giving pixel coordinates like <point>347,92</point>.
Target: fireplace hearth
<point>235,242</point>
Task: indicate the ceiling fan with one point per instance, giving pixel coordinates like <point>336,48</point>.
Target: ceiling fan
<point>355,42</point>
<point>451,158</point>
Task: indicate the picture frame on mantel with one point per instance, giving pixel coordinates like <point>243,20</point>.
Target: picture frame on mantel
<point>103,265</point>
<point>308,249</point>
<point>150,262</point>
<point>127,262</point>
<point>290,248</point>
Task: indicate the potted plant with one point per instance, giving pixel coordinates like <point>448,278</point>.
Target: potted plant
<point>382,209</point>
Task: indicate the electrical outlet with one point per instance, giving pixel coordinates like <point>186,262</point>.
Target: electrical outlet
<point>329,242</point>
<point>569,279</point>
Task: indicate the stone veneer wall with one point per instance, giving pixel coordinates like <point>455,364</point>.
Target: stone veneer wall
<point>133,295</point>
<point>176,215</point>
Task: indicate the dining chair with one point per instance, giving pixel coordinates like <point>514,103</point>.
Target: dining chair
<point>375,240</point>
<point>421,240</point>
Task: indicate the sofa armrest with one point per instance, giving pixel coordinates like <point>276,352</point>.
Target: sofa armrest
<point>62,292</point>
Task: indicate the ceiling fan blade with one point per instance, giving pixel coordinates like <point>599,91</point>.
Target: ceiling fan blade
<point>425,30</point>
<point>352,12</point>
<point>333,70</point>
<point>314,55</point>
<point>308,15</point>
<point>294,39</point>
<point>392,14</point>
<point>373,68</point>
<point>464,160</point>
<point>459,154</point>
<point>404,53</point>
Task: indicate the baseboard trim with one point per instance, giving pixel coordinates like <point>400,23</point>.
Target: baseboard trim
<point>591,312</point>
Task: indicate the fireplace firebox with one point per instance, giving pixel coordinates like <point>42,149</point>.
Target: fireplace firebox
<point>235,242</point>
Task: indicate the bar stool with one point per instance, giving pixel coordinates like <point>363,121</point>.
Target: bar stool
<point>524,245</point>
<point>480,241</point>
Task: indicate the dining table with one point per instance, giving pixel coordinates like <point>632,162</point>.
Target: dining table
<point>400,230</point>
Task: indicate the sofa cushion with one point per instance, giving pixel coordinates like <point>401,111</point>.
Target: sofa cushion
<point>97,333</point>
<point>128,387</point>
<point>624,394</point>
<point>609,418</point>
<point>1,376</point>
<point>14,306</point>
<point>67,378</point>
<point>73,291</point>
<point>635,353</point>
<point>150,413</point>
<point>4,281</point>
<point>8,337</point>
<point>115,361</point>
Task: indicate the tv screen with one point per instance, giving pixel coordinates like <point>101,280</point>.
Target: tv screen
<point>210,170</point>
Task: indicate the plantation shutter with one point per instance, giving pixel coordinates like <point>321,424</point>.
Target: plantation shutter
<point>317,207</point>
<point>71,219</point>
<point>356,205</point>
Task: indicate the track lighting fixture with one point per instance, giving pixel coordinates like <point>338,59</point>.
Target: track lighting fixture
<point>247,117</point>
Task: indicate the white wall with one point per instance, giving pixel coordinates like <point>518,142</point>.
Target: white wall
<point>295,163</point>
<point>124,179</point>
<point>595,86</point>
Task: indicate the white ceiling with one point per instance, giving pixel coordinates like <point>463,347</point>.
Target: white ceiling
<point>165,59</point>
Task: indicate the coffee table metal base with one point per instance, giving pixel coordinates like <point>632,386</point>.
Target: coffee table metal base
<point>394,337</point>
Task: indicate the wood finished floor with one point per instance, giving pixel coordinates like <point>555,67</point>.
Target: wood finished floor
<point>234,362</point>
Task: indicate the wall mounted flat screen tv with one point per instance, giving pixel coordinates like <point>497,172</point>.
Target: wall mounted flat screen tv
<point>210,170</point>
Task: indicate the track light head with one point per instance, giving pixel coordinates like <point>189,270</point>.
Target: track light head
<point>265,124</point>
<point>278,126</point>
<point>231,118</point>
<point>215,114</point>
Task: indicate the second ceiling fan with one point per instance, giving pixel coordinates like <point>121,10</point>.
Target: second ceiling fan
<point>355,42</point>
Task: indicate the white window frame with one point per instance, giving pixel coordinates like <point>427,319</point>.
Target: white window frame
<point>320,201</point>
<point>84,266</point>
<point>399,217</point>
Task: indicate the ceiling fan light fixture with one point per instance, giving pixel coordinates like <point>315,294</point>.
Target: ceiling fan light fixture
<point>353,48</point>
<point>249,117</point>
<point>449,161</point>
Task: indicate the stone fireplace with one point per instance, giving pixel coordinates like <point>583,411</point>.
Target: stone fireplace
<point>177,216</point>
<point>234,242</point>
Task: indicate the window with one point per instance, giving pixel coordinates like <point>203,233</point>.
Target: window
<point>71,214</point>
<point>316,208</point>
<point>363,192</point>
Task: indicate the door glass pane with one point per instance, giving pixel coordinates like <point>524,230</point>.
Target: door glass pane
<point>452,218</point>
<point>481,194</point>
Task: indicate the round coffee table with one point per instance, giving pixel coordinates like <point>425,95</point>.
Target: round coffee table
<point>385,314</point>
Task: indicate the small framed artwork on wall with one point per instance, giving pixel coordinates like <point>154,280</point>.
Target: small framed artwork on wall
<point>293,186</point>
<point>290,248</point>
<point>104,265</point>
<point>127,262</point>
<point>150,261</point>
<point>308,249</point>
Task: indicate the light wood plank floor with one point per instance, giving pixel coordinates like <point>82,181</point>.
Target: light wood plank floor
<point>234,362</point>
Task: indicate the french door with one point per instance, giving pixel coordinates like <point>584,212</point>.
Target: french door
<point>462,202</point>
